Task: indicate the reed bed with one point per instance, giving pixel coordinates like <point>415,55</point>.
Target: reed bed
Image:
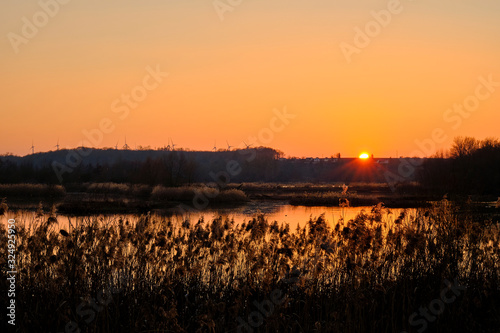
<point>31,190</point>
<point>368,274</point>
<point>135,190</point>
<point>189,193</point>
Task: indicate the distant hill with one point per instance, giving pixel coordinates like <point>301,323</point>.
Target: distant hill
<point>174,168</point>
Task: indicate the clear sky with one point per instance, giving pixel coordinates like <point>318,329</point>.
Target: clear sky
<point>229,68</point>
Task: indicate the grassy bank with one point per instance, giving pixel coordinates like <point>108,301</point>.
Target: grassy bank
<point>30,191</point>
<point>365,275</point>
<point>94,198</point>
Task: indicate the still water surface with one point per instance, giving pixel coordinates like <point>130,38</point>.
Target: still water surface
<point>274,211</point>
<point>284,213</point>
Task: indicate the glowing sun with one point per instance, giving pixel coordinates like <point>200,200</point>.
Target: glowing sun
<point>364,156</point>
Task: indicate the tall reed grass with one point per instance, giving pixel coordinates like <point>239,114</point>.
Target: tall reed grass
<point>368,274</point>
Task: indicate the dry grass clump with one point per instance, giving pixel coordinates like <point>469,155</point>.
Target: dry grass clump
<point>229,196</point>
<point>368,274</point>
<point>141,190</point>
<point>111,189</point>
<point>251,187</point>
<point>31,190</point>
<point>108,188</point>
<point>162,193</point>
<point>187,194</point>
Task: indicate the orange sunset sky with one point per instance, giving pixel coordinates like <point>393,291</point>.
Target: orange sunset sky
<point>230,66</point>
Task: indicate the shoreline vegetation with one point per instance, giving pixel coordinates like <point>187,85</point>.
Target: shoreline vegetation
<point>436,269</point>
<point>90,198</point>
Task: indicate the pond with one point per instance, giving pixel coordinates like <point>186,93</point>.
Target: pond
<point>273,210</point>
<point>285,213</point>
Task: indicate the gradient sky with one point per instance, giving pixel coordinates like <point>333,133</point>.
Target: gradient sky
<point>226,77</point>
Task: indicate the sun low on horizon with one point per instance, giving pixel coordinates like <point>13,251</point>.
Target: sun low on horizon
<point>364,156</point>
<point>309,79</point>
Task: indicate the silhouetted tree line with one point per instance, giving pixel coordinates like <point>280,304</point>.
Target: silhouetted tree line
<point>471,167</point>
<point>176,168</point>
<point>168,168</point>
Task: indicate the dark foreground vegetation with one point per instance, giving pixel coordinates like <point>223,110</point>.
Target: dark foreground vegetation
<point>437,271</point>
